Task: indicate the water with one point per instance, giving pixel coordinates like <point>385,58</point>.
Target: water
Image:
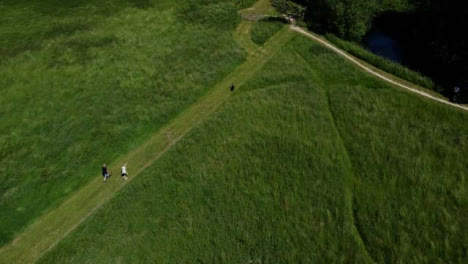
<point>383,45</point>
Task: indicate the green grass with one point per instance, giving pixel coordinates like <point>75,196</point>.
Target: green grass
<point>245,3</point>
<point>235,190</point>
<point>311,161</point>
<point>408,168</point>
<point>55,224</point>
<point>382,63</point>
<point>83,83</point>
<point>265,28</point>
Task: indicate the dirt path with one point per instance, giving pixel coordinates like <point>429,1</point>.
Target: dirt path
<point>46,231</point>
<point>373,72</point>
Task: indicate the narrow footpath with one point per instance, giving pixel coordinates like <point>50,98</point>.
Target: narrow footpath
<point>381,76</point>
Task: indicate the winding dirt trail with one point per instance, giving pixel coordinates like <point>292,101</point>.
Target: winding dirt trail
<point>373,72</point>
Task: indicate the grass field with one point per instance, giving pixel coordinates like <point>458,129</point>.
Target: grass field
<point>84,82</point>
<point>265,28</point>
<point>311,161</point>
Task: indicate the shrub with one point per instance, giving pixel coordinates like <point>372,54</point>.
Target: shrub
<point>289,8</point>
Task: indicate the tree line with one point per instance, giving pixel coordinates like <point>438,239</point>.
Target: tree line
<point>349,19</point>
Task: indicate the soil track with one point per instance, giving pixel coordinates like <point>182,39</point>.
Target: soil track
<point>375,73</point>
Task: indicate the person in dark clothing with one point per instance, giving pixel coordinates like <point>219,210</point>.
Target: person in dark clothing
<point>456,94</point>
<point>105,173</point>
<point>232,87</point>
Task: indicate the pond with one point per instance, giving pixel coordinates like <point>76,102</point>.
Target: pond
<point>380,43</point>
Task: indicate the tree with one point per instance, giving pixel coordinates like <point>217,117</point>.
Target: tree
<point>350,19</point>
<point>290,9</point>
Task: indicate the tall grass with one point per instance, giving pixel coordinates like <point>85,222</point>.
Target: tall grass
<point>311,161</point>
<point>244,3</point>
<point>84,82</point>
<point>408,166</point>
<point>382,63</point>
<point>265,28</point>
<point>249,185</point>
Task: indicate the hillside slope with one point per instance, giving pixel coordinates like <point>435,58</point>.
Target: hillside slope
<point>311,161</point>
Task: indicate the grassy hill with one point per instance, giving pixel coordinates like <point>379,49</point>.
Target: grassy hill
<point>83,82</point>
<point>310,160</point>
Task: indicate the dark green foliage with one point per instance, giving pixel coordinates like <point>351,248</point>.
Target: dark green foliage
<point>350,19</point>
<point>289,8</point>
<point>435,37</point>
<point>265,28</point>
<point>382,63</point>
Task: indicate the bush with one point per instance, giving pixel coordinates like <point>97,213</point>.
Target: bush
<point>382,63</point>
<point>289,8</point>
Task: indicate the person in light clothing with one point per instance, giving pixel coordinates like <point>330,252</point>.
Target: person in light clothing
<point>124,171</point>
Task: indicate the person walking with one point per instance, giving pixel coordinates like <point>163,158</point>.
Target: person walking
<point>124,171</point>
<point>105,173</point>
<point>456,94</point>
<point>232,87</point>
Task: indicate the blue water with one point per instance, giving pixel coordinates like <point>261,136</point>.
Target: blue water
<point>383,45</point>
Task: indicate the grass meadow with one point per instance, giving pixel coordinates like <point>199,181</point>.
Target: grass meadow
<point>310,161</point>
<point>265,28</point>
<point>84,82</point>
